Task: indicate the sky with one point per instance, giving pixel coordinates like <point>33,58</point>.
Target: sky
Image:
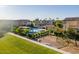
<point>38,11</point>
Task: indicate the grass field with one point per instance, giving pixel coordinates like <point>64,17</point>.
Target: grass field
<point>13,45</point>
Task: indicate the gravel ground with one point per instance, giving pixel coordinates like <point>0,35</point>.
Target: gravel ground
<point>51,41</point>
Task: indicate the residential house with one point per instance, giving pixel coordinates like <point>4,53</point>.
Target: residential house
<point>23,22</point>
<point>71,22</point>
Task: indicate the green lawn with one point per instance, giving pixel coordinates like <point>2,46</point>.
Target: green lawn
<point>13,45</point>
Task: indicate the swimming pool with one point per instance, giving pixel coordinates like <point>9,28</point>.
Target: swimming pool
<point>35,30</point>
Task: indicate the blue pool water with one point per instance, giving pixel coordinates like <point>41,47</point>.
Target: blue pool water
<point>34,30</point>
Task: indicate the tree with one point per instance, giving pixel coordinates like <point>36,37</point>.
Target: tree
<point>25,31</point>
<point>58,32</point>
<point>14,28</point>
<point>58,23</point>
<point>72,34</point>
<point>18,30</point>
<point>76,38</point>
<point>58,28</point>
<point>36,22</point>
<point>32,24</point>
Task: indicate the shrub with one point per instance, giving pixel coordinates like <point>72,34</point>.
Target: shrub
<point>25,32</point>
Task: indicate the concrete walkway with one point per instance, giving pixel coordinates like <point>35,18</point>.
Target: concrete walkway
<point>39,43</point>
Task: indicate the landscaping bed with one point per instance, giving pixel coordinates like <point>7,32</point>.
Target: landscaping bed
<point>60,44</point>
